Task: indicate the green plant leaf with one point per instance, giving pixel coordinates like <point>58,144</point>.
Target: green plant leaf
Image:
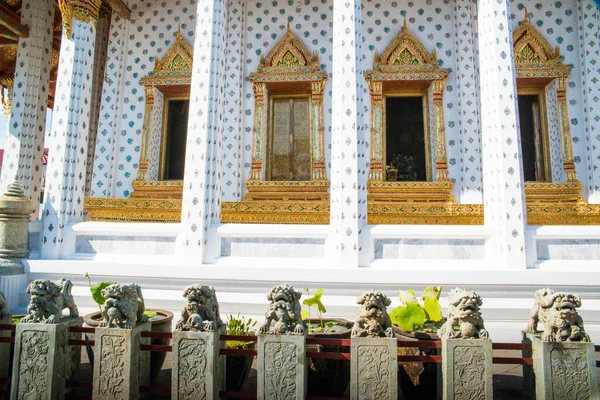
<point>305,314</point>
<point>409,316</point>
<point>314,299</point>
<point>150,313</point>
<point>321,307</point>
<point>97,291</point>
<point>433,309</point>
<point>319,293</point>
<point>407,297</point>
<point>432,292</point>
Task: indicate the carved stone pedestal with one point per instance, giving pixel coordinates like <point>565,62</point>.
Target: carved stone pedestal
<point>563,370</point>
<point>467,369</point>
<point>282,367</point>
<point>198,370</point>
<point>44,361</point>
<point>120,367</point>
<point>374,368</point>
<point>5,348</point>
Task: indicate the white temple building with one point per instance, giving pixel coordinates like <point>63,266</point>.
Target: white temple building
<point>342,144</point>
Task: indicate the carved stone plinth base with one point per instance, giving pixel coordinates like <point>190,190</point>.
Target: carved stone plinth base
<point>374,368</point>
<point>563,370</point>
<point>198,370</point>
<point>120,367</point>
<point>282,367</point>
<point>467,369</point>
<point>44,361</point>
<point>5,348</point>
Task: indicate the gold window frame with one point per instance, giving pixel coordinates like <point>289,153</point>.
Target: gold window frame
<point>165,134</point>
<point>536,66</point>
<point>172,76</point>
<point>406,66</point>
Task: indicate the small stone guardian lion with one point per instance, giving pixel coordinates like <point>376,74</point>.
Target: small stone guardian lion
<point>372,319</point>
<point>558,314</point>
<point>201,313</point>
<point>3,306</point>
<point>123,306</point>
<point>284,314</point>
<point>48,300</point>
<point>464,312</point>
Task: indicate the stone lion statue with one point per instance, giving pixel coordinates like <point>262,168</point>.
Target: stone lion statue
<point>558,314</point>
<point>3,306</point>
<point>464,312</point>
<point>201,313</point>
<point>372,319</point>
<point>284,314</point>
<point>48,300</point>
<point>123,306</point>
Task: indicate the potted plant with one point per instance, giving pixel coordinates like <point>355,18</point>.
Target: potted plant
<point>160,320</point>
<point>418,319</point>
<point>326,377</point>
<point>238,367</point>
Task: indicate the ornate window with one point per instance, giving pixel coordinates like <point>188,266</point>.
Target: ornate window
<point>542,81</point>
<point>408,151</point>
<point>165,123</point>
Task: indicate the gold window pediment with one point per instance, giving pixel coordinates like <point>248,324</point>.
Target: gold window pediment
<point>406,67</point>
<point>175,68</point>
<point>536,65</point>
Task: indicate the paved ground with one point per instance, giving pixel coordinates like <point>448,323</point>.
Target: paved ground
<point>508,379</point>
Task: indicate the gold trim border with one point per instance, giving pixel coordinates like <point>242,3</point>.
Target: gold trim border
<point>133,209</point>
<point>382,213</point>
<point>276,212</point>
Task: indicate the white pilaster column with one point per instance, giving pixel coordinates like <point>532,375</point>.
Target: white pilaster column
<point>234,103</point>
<point>503,189</point>
<point>102,30</point>
<point>201,191</point>
<point>470,185</point>
<point>109,121</point>
<point>68,141</point>
<point>348,165</point>
<point>589,44</point>
<point>24,144</point>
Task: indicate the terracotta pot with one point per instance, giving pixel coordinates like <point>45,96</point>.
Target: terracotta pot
<point>237,370</point>
<point>329,377</point>
<point>427,389</point>
<point>161,322</point>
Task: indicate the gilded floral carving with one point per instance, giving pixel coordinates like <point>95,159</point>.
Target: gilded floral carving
<point>280,371</point>
<point>469,373</point>
<point>192,369</point>
<point>112,368</point>
<point>33,365</point>
<point>374,374</point>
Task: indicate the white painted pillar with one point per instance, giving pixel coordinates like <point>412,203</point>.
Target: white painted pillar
<point>503,189</point>
<point>24,144</point>
<point>348,162</point>
<point>109,121</point>
<point>589,44</point>
<point>102,31</point>
<point>68,140</point>
<point>234,103</point>
<point>201,192</point>
<point>467,84</point>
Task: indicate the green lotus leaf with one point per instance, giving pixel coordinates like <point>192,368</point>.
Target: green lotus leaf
<point>433,309</point>
<point>97,291</point>
<point>409,316</point>
<point>432,292</point>
<point>408,297</point>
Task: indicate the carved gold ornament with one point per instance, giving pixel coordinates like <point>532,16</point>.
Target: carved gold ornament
<point>6,83</point>
<point>80,10</point>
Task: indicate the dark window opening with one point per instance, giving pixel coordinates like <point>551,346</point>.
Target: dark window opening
<point>289,145</point>
<point>176,132</point>
<point>405,139</point>
<point>531,138</point>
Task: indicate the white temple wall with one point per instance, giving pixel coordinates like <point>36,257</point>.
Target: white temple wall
<point>557,22</point>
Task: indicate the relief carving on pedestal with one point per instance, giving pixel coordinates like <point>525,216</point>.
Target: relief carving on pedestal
<point>372,319</point>
<point>558,314</point>
<point>374,372</point>
<point>33,368</point>
<point>201,313</point>
<point>469,373</point>
<point>570,380</point>
<point>48,300</point>
<point>284,314</point>
<point>192,369</point>
<point>123,306</point>
<point>280,371</point>
<point>464,313</point>
<point>112,368</point>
